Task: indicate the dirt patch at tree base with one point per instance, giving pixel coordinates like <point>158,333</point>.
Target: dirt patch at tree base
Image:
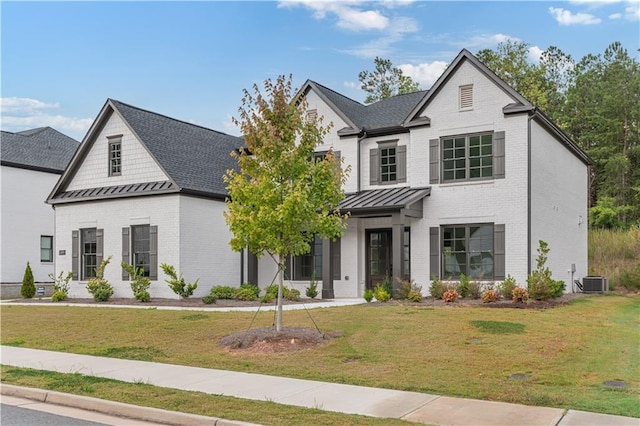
<point>268,340</point>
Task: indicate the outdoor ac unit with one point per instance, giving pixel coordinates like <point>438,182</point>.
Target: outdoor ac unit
<point>595,285</point>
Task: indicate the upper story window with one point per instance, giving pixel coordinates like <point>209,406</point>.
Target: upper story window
<point>467,157</point>
<point>115,155</point>
<point>388,163</point>
<point>465,99</point>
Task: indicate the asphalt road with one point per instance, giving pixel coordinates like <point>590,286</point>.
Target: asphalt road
<point>20,416</point>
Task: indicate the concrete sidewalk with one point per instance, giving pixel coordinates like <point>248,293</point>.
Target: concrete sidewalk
<point>374,402</point>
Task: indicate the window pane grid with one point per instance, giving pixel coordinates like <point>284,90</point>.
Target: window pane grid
<point>388,164</point>
<point>140,243</point>
<point>46,248</point>
<point>469,157</point>
<point>89,253</point>
<point>115,160</point>
<point>468,249</point>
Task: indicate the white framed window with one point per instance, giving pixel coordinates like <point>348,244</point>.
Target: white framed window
<point>467,157</point>
<point>88,253</point>
<point>141,248</point>
<point>115,155</point>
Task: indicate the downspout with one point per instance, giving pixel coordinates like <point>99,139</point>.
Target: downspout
<point>361,137</point>
<point>529,194</point>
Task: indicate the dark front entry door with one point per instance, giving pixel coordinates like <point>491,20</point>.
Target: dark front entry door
<point>378,256</point>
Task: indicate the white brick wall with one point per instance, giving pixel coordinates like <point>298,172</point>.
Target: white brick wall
<point>25,217</point>
<point>137,164</point>
<point>559,195</point>
<point>192,236</point>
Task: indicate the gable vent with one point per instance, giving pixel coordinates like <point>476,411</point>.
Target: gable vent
<point>466,96</point>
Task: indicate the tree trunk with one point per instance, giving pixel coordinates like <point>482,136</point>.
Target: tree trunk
<point>280,284</point>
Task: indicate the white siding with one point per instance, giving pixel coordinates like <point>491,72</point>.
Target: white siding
<point>137,164</point>
<point>559,194</point>
<point>25,217</point>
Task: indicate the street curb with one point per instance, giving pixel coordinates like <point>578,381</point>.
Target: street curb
<point>117,409</point>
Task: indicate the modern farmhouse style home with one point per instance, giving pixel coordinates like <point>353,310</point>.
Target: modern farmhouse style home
<point>464,178</point>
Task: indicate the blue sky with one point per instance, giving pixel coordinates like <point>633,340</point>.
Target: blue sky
<point>191,60</point>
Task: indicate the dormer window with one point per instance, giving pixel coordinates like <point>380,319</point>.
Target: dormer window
<point>466,96</point>
<point>115,155</point>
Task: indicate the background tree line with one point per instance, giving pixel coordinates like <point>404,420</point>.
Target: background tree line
<point>595,101</point>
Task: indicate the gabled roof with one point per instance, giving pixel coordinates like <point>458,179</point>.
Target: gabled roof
<point>384,114</point>
<point>42,149</point>
<point>193,157</point>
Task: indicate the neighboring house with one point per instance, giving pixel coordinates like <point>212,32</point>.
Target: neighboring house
<point>146,189</point>
<point>465,178</point>
<point>31,163</point>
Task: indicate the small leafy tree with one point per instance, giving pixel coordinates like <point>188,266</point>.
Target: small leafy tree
<point>312,291</point>
<point>60,286</point>
<point>177,283</point>
<point>540,285</point>
<point>386,81</point>
<point>28,288</point>
<point>100,288</point>
<point>139,283</point>
<point>281,196</point>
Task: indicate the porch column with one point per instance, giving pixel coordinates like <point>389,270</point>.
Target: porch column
<point>327,270</point>
<point>252,267</point>
<point>397,239</point>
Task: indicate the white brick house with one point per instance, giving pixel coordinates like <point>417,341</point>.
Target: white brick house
<point>31,163</point>
<point>146,189</point>
<point>466,177</point>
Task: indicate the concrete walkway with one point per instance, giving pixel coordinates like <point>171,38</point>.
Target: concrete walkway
<point>374,402</point>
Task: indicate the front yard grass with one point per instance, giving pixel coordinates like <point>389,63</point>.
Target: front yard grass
<point>557,357</point>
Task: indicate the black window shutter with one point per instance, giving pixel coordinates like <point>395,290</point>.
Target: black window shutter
<point>498,252</point>
<point>153,253</point>
<point>374,166</point>
<point>99,246</point>
<point>434,249</point>
<point>125,252</point>
<point>498,155</point>
<point>401,153</point>
<point>75,260</point>
<point>434,161</point>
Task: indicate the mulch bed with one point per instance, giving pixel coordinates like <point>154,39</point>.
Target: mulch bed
<point>193,302</point>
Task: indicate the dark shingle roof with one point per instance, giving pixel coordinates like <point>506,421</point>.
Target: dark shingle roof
<point>43,149</point>
<point>194,157</point>
<point>386,113</point>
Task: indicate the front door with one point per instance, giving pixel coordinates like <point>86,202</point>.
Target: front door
<point>379,259</point>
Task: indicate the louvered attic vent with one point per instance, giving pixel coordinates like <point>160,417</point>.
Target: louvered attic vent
<point>466,96</point>
<point>312,114</point>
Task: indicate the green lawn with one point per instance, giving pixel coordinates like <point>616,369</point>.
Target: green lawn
<point>565,353</point>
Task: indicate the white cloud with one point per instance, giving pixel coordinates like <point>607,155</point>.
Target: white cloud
<point>566,17</point>
<point>351,84</point>
<point>483,41</point>
<point>229,126</point>
<point>26,113</point>
<point>615,16</point>
<point>426,73</point>
<point>382,45</point>
<point>535,53</point>
<point>632,11</point>
<point>348,14</point>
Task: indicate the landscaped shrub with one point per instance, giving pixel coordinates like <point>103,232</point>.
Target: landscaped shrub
<point>437,288</point>
<point>292,294</point>
<point>245,293</point>
<point>387,285</point>
<point>450,296</point>
<point>475,289</point>
<point>60,286</point>
<point>139,283</point>
<point>177,283</point>
<point>506,287</point>
<point>489,295</point>
<point>381,293</point>
<point>209,298</point>
<point>251,287</point>
<point>539,283</point>
<point>368,295</point>
<point>271,293</point>
<point>100,288</point>
<point>409,290</point>
<point>223,292</point>
<point>312,290</point>
<point>28,288</point>
<point>520,294</point>
<point>463,286</point>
